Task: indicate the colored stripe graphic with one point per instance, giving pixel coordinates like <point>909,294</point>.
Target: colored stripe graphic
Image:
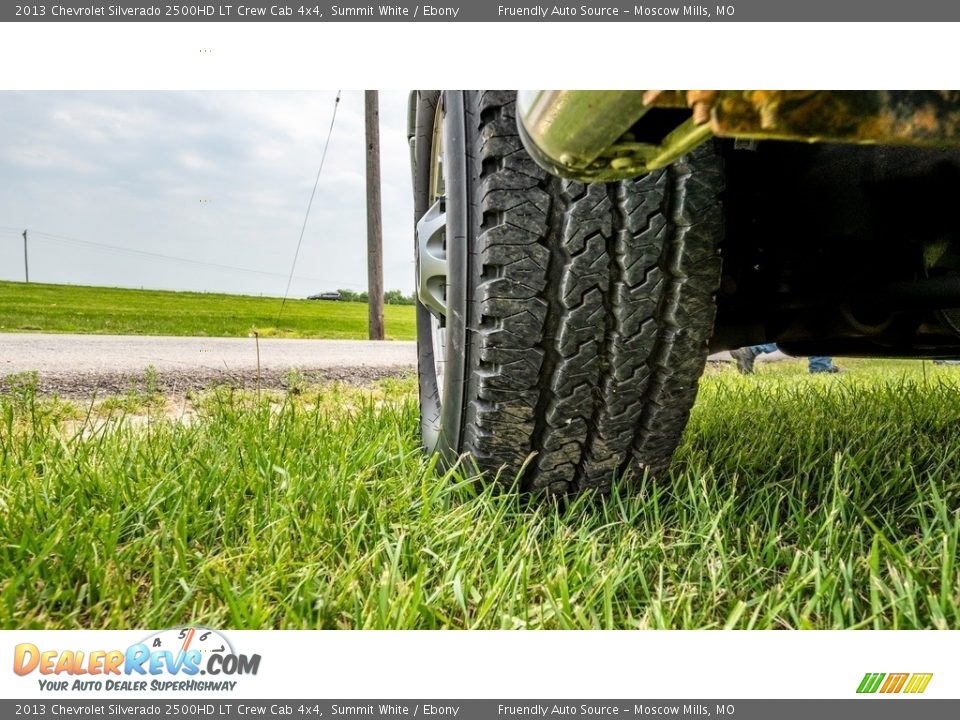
<point>894,683</point>
<point>870,682</point>
<point>918,682</point>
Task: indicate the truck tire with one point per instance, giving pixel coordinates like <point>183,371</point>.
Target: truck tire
<point>576,316</point>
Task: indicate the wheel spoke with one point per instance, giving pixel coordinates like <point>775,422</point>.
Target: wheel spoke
<point>432,259</point>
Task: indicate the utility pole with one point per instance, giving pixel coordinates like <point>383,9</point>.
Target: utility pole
<point>26,267</point>
<point>374,224</point>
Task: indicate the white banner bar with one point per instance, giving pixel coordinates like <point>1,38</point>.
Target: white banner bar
<point>377,664</point>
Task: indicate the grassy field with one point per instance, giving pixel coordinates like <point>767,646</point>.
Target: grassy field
<point>117,311</point>
<point>795,502</point>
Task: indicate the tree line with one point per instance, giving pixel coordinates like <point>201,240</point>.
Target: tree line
<point>390,297</point>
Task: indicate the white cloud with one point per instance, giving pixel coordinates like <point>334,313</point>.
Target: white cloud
<point>131,169</point>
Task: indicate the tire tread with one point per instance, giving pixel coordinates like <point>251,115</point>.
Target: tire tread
<point>592,311</point>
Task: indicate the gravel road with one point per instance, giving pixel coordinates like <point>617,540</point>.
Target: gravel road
<point>76,364</point>
<point>80,364</point>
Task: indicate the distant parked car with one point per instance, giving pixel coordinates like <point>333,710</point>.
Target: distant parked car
<point>325,296</point>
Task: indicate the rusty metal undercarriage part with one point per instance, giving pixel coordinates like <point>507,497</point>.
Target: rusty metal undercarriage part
<point>601,136</point>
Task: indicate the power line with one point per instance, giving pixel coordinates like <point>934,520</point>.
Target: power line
<point>72,241</point>
<point>63,240</point>
<point>323,158</point>
<point>67,240</point>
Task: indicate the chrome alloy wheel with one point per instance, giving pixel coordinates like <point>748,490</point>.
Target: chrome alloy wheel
<point>443,175</point>
<point>432,253</point>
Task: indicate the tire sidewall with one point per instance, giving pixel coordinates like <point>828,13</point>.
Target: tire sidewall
<point>442,422</point>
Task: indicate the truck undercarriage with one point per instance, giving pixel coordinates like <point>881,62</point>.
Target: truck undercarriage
<point>579,254</point>
<point>841,250</point>
<point>841,222</point>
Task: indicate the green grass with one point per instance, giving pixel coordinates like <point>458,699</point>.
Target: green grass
<point>36,307</point>
<point>795,502</point>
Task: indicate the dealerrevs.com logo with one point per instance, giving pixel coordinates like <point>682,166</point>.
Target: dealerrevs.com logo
<point>168,660</point>
<point>890,683</point>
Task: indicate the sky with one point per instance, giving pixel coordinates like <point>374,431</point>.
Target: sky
<point>211,178</point>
